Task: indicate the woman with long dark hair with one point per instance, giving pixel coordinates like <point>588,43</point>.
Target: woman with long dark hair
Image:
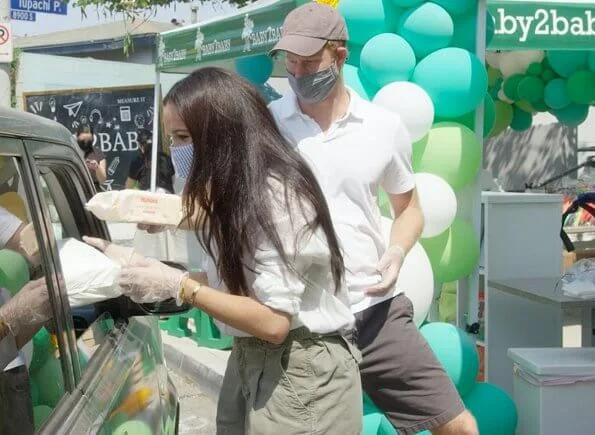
<point>260,214</point>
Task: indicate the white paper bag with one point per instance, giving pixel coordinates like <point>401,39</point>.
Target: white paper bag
<point>137,206</point>
<point>89,275</point>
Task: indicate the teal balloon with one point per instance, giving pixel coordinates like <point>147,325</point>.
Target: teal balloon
<point>453,254</point>
<point>468,119</point>
<point>427,28</point>
<point>531,89</point>
<point>456,7</point>
<point>493,409</point>
<point>556,94</point>
<point>353,79</point>
<point>521,120</point>
<point>354,54</point>
<point>565,63</point>
<point>14,271</point>
<point>407,3</point>
<point>572,115</point>
<point>581,87</point>
<point>381,69</point>
<point>511,86</point>
<point>466,30</point>
<point>367,19</point>
<point>456,352</point>
<point>455,79</point>
<point>451,151</point>
<point>591,60</point>
<point>255,69</point>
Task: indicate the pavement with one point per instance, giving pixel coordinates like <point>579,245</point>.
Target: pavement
<point>200,364</point>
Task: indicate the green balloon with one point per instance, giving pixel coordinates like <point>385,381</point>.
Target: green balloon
<point>581,87</point>
<point>548,75</point>
<point>456,7</point>
<point>468,119</point>
<point>447,306</point>
<point>378,68</point>
<point>494,410</point>
<point>556,95</point>
<point>572,115</point>
<point>14,271</point>
<point>494,90</point>
<point>50,382</point>
<point>353,78</point>
<point>451,151</point>
<point>34,392</point>
<point>454,253</point>
<point>511,86</point>
<point>368,19</point>
<point>525,105</point>
<point>504,114</point>
<point>531,89</point>
<point>456,352</point>
<point>40,414</point>
<point>41,350</point>
<point>521,120</point>
<point>566,63</point>
<point>535,69</point>
<point>426,28</point>
<point>540,106</point>
<point>133,427</point>
<point>493,75</point>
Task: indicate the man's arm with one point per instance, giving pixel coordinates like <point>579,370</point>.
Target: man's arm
<point>409,220</point>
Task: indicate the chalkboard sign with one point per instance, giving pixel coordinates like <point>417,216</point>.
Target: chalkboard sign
<point>116,114</point>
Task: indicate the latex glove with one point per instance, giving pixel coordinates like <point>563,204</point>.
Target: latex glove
<point>389,267</point>
<point>30,306</point>
<point>152,282</point>
<point>28,244</point>
<point>118,254</point>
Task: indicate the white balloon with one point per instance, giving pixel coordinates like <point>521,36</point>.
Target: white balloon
<point>438,203</point>
<point>527,57</point>
<point>493,59</point>
<point>27,350</point>
<point>415,278</point>
<point>511,65</point>
<point>411,103</point>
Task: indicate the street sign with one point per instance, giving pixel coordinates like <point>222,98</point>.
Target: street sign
<point>5,43</point>
<point>43,6</point>
<point>22,15</point>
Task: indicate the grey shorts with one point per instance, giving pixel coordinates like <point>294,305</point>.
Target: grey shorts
<point>400,372</point>
<point>16,409</point>
<point>308,385</point>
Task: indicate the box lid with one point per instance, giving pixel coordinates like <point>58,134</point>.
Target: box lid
<point>555,361</point>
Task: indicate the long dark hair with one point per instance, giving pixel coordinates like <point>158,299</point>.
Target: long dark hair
<point>237,149</point>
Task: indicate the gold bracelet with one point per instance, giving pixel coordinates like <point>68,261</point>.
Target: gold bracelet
<point>4,330</point>
<point>180,298</point>
<point>195,290</point>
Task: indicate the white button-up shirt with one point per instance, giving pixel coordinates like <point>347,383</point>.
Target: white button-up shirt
<point>367,148</point>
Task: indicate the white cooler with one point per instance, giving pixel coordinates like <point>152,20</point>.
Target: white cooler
<point>554,390</point>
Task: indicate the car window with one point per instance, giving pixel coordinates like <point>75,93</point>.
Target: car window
<point>39,375</point>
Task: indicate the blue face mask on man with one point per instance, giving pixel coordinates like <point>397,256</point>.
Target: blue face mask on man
<point>182,157</point>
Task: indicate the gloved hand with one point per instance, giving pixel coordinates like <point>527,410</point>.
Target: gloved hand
<point>151,282</point>
<point>389,267</point>
<point>30,306</point>
<point>118,254</point>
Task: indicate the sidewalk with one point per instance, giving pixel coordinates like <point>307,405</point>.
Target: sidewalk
<point>204,365</point>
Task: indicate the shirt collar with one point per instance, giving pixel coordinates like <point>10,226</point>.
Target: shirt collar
<point>290,106</point>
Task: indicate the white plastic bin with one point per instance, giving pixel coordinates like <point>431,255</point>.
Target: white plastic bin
<point>554,390</point>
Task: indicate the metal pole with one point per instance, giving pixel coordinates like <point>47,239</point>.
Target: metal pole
<point>154,149</point>
<point>468,294</point>
<point>5,67</point>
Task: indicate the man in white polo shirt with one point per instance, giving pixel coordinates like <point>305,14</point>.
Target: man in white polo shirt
<point>355,147</point>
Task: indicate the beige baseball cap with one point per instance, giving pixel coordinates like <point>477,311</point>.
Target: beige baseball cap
<point>308,28</point>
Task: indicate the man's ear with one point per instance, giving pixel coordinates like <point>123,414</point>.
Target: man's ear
<point>342,54</point>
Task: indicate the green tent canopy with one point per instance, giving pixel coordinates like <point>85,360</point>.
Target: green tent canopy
<point>251,31</point>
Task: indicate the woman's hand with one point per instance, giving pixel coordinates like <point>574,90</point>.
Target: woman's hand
<point>118,254</point>
<point>151,282</point>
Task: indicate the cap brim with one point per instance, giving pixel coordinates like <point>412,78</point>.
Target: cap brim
<point>299,45</point>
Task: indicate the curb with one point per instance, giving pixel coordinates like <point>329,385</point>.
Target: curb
<point>200,364</point>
